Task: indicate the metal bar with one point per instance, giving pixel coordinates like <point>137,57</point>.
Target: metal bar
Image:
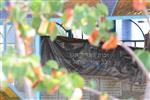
<point>138,27</point>
<point>5,36</point>
<point>37,45</point>
<point>134,44</point>
<point>37,50</point>
<point>124,17</point>
<point>132,40</point>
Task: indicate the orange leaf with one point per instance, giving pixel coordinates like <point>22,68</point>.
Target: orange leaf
<point>27,43</point>
<point>103,97</point>
<point>57,73</point>
<point>102,19</point>
<point>93,36</point>
<point>139,5</point>
<point>111,43</point>
<point>43,26</point>
<point>36,83</point>
<point>10,78</point>
<point>68,13</point>
<point>38,71</point>
<point>51,27</point>
<point>54,89</point>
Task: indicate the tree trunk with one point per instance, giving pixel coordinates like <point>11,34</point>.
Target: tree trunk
<point>147,41</point>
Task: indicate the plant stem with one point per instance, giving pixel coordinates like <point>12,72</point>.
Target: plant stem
<point>98,92</point>
<point>138,61</point>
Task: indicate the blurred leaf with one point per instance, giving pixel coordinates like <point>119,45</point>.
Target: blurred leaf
<point>3,85</point>
<point>53,34</point>
<point>92,84</point>
<point>45,9</point>
<point>57,5</point>
<point>66,89</point>
<point>77,80</point>
<point>66,86</point>
<point>78,12</point>
<point>109,24</point>
<point>94,37</point>
<point>48,84</point>
<point>104,35</point>
<point>41,87</point>
<point>18,15</point>
<point>111,43</point>
<point>104,96</point>
<point>43,26</point>
<point>52,64</point>
<point>33,60</point>
<point>101,9</point>
<point>29,73</point>
<point>36,20</point>
<point>36,6</point>
<point>103,26</point>
<point>144,56</point>
<point>19,71</point>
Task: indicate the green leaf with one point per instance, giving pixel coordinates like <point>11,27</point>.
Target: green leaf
<point>45,9</point>
<point>91,25</point>
<point>36,6</point>
<point>57,5</point>
<point>102,9</point>
<point>92,84</point>
<point>51,82</point>
<point>144,56</point>
<point>51,64</point>
<point>41,87</point>
<point>19,72</point>
<point>53,35</point>
<point>103,25</point>
<point>36,20</point>
<point>104,35</point>
<point>2,4</point>
<point>33,60</point>
<point>29,73</point>
<point>110,24</point>
<point>66,87</point>
<point>18,15</point>
<point>77,80</point>
<point>78,12</point>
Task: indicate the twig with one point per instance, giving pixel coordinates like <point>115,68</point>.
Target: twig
<point>138,61</point>
<point>98,92</point>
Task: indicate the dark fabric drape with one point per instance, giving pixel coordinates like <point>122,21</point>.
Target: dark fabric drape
<point>78,55</point>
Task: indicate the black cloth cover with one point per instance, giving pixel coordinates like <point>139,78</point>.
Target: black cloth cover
<point>78,55</point>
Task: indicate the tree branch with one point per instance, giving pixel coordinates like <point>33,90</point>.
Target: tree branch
<point>138,61</point>
<point>96,92</point>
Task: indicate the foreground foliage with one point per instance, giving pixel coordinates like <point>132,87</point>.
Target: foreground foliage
<point>51,77</point>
